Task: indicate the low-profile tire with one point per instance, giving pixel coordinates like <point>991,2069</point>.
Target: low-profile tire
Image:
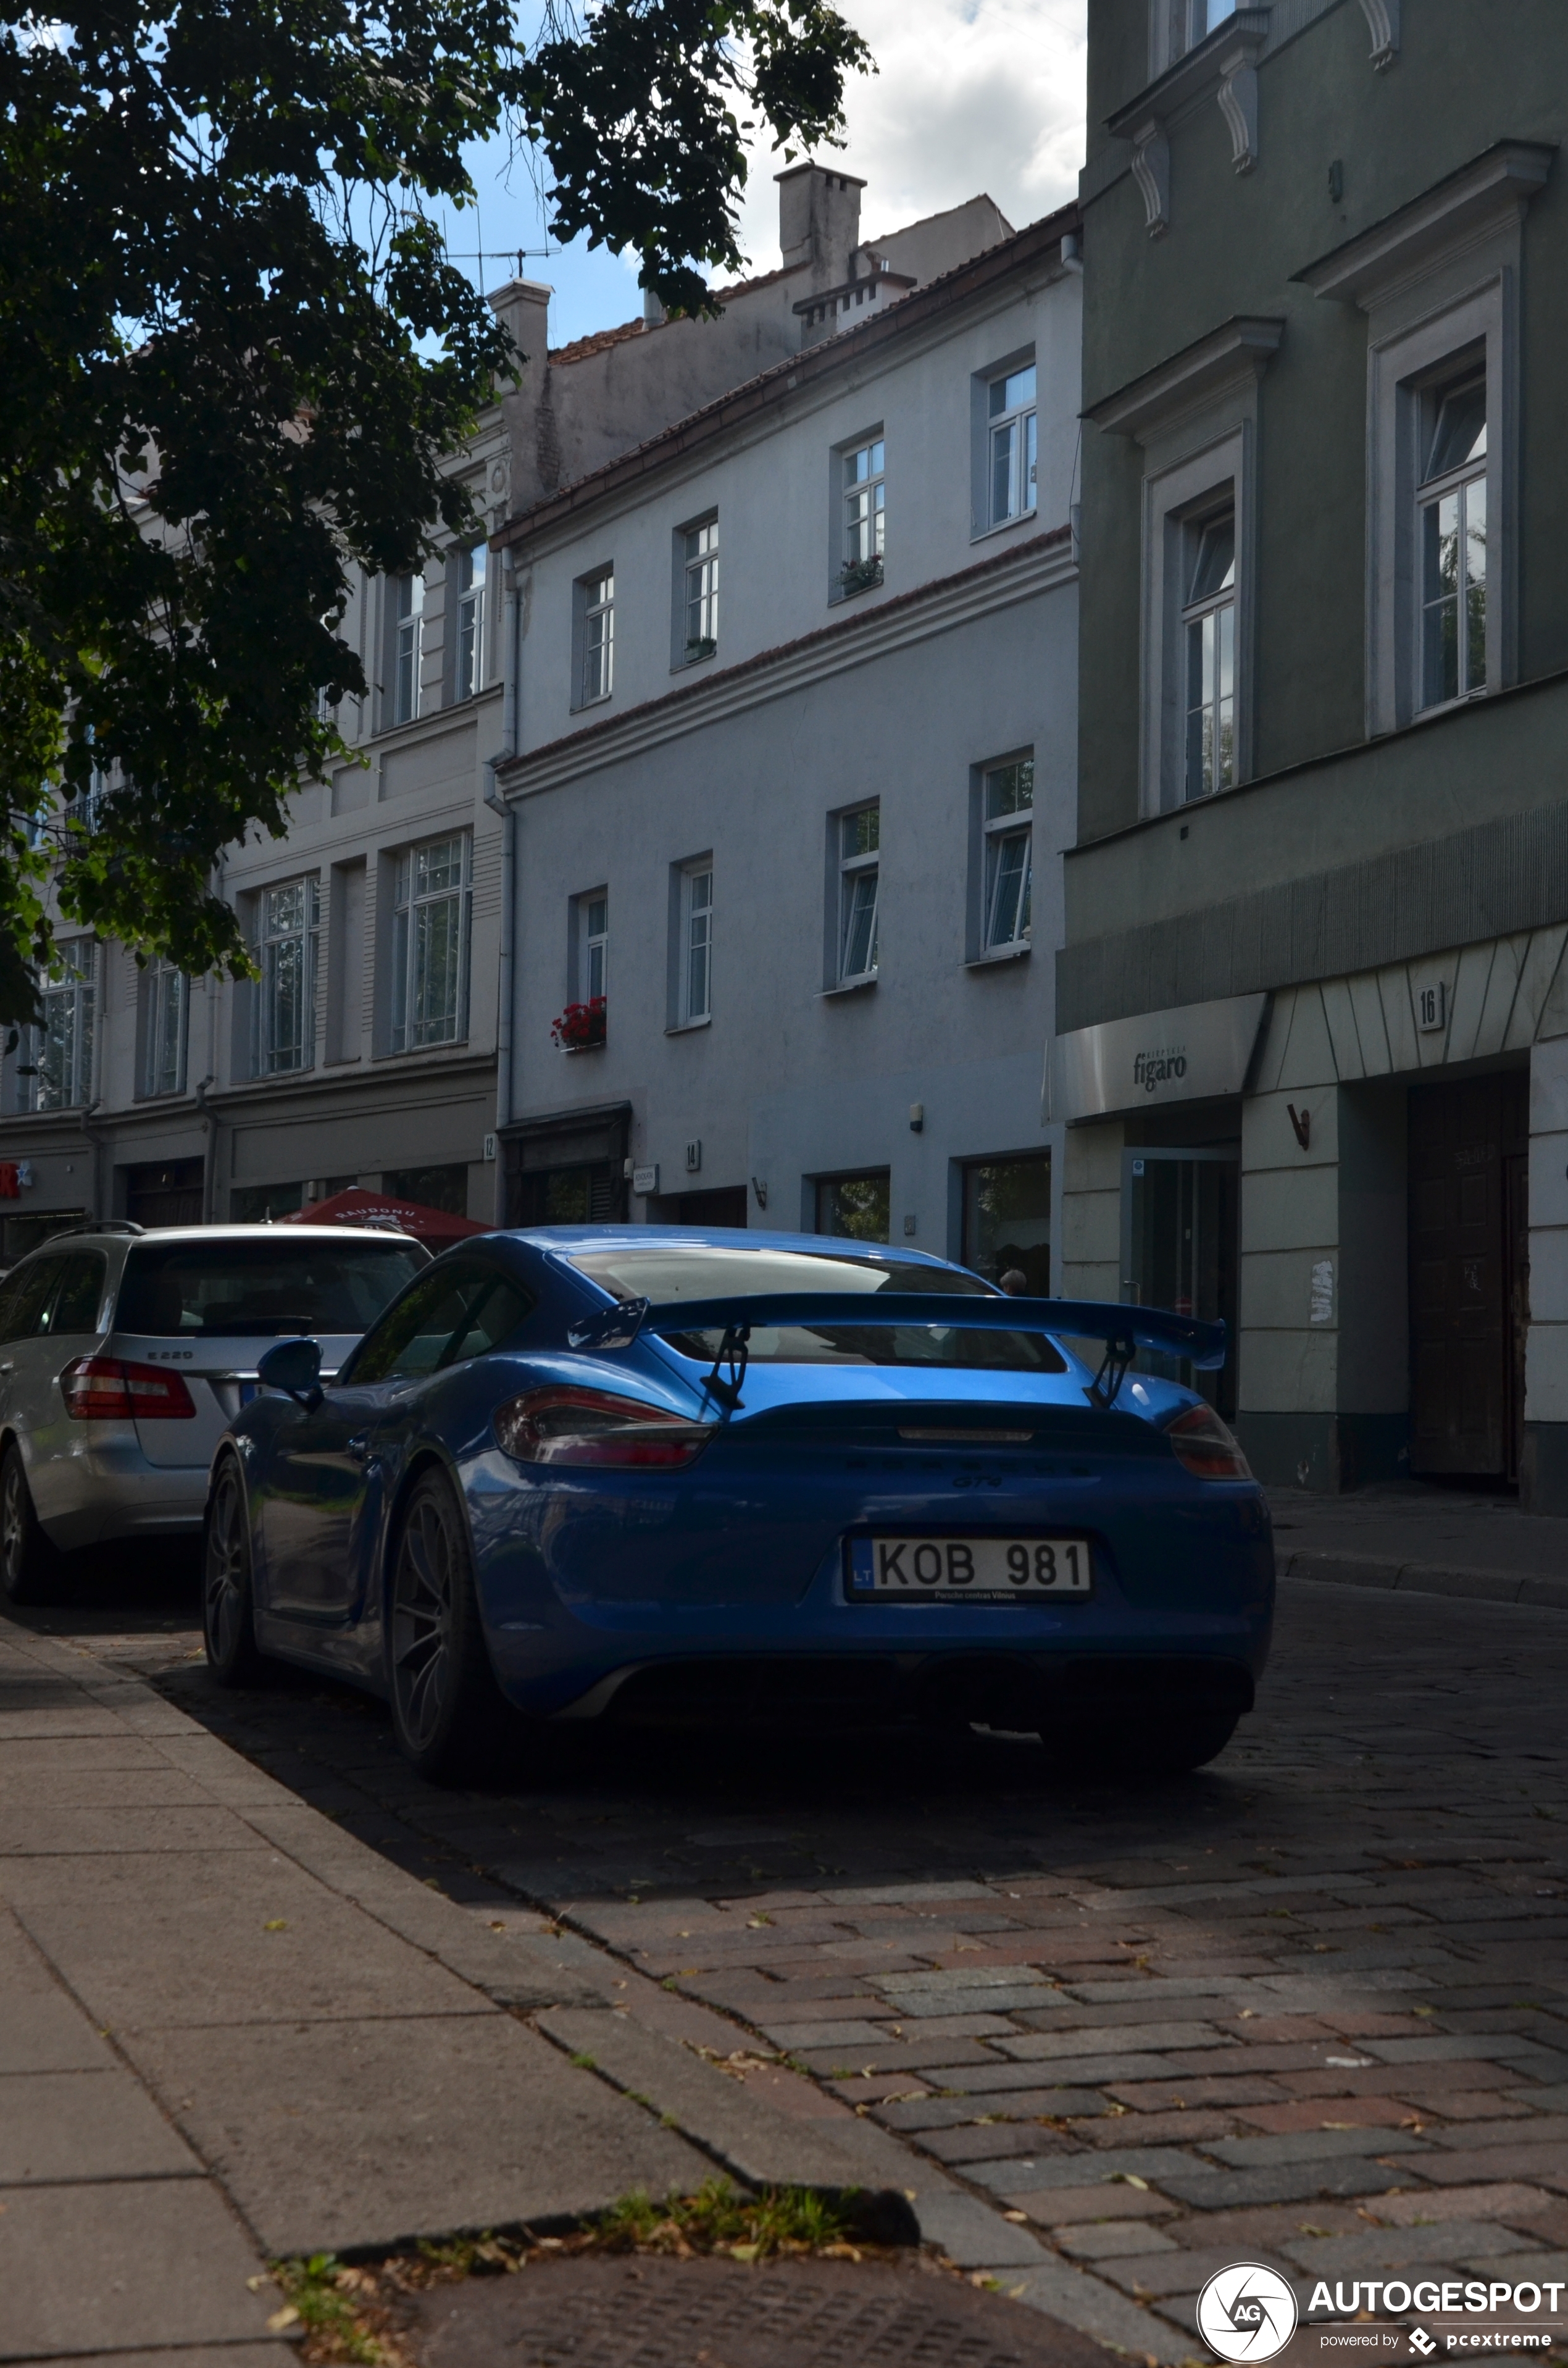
<point>450,1718</point>
<point>30,1566</point>
<point>228,1597</point>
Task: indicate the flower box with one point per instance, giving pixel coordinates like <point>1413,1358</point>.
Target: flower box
<point>581,1026</point>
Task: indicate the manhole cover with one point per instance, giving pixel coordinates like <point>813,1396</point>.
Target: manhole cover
<point>647,2312</point>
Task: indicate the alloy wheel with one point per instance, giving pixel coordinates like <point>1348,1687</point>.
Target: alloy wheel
<point>424,1593</point>
<point>226,1578</point>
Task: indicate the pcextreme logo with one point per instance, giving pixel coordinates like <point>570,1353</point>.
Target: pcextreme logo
<point>1246,2312</point>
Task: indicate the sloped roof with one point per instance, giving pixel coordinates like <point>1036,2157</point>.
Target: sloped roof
<point>699,427</point>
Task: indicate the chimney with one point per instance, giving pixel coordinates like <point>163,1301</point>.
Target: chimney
<point>524,306</point>
<point>818,221</point>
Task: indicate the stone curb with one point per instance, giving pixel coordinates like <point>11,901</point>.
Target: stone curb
<point>1425,1579</point>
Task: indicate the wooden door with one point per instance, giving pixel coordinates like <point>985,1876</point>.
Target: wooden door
<point>1465,1332</point>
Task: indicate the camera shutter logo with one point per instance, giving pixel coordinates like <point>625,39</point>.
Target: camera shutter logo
<point>1246,2312</point>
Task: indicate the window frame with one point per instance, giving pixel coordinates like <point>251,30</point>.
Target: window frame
<point>700,566</point>
<point>268,939</point>
<point>589,613</point>
<point>820,1186</point>
<point>1406,367</point>
<point>848,870</point>
<point>1199,611</point>
<point>857,570</point>
<point>692,918</point>
<point>1456,484</point>
<point>408,905</point>
<point>587,941</point>
<point>163,982</point>
<point>993,833</point>
<point>987,426</point>
<point>469,569</point>
<point>405,638</point>
<point>1190,491</point>
<point>78,994</point>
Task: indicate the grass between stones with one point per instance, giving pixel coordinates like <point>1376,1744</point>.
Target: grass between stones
<point>353,2312</point>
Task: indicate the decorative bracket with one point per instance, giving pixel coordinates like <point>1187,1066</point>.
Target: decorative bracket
<point>1238,105</point>
<point>1152,171</point>
<point>1383,22</point>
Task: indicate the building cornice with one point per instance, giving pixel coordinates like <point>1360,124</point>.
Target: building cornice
<point>701,428</point>
<point>1028,568</point>
<point>1499,184</point>
<point>1240,348</point>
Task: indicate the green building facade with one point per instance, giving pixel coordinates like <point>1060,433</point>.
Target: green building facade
<point>1312,1002</point>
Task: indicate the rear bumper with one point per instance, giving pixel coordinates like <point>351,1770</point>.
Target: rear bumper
<point>1022,1692</point>
<point>112,1491</point>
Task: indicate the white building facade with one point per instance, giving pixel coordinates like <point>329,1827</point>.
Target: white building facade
<point>792,702</point>
<point>366,1051</point>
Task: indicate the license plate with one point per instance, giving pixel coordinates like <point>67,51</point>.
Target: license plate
<point>992,1570</point>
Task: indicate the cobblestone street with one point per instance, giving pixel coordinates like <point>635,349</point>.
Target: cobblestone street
<point>1309,2007</point>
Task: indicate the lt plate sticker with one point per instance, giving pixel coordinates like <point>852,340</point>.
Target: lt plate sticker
<point>904,1569</point>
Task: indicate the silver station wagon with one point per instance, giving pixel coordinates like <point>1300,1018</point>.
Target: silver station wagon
<point>124,1354</point>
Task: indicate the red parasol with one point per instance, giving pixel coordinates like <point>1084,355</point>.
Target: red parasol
<point>437,1228</point>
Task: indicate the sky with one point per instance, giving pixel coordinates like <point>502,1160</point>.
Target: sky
<point>969,95</point>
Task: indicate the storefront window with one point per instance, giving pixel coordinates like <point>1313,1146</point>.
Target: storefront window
<point>1007,1221</point>
<point>856,1206</point>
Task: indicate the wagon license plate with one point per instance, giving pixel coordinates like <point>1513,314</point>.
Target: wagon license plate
<point>985,1569</point>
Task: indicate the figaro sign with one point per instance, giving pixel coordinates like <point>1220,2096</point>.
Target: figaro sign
<point>1192,1053</point>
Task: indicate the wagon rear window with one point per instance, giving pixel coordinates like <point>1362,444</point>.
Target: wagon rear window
<point>244,1289</point>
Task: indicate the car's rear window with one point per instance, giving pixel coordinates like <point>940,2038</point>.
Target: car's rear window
<point>251,1288</point>
<point>667,1270</point>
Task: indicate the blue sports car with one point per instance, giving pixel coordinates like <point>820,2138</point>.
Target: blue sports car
<point>661,1475</point>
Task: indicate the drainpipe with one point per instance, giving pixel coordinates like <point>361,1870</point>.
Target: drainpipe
<point>209,1165</point>
<point>95,1144</point>
<point>494,798</point>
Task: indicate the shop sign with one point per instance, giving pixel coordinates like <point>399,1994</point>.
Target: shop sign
<point>1191,1054</point>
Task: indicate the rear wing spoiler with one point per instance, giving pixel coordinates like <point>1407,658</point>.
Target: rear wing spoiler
<point>1124,1330</point>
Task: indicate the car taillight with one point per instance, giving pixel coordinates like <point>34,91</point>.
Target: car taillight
<point>1208,1446</point>
<point>568,1426</point>
<point>106,1389</point>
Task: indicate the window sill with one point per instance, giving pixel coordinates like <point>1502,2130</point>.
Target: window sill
<point>586,706</point>
<point>687,1027</point>
<point>417,1051</point>
<point>995,955</point>
<point>683,665</point>
<point>1005,525</point>
<point>849,986</point>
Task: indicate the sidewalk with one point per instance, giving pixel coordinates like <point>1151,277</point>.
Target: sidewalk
<point>233,2032</point>
<point>1424,1540</point>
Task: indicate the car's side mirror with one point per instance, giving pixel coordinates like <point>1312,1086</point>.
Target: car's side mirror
<point>294,1366</point>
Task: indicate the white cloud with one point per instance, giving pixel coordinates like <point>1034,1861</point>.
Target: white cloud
<point>969,95</point>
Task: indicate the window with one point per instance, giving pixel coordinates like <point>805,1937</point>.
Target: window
<point>855,1206</point>
<point>1009,827</point>
<point>859,845</point>
<point>1007,1222</point>
<point>1203,16</point>
<point>26,1298</point>
<point>408,646</point>
<point>470,668</point>
<point>434,1188</point>
<point>430,935</point>
<point>596,660</point>
<point>77,1301</point>
<point>593,947</point>
<point>269,1285</point>
<point>865,517</point>
<point>287,945</point>
<point>1011,445</point>
<point>1451,528</point>
<point>56,1068</point>
<point>696,998</point>
<point>166,994</point>
<point>1208,628</point>
<point>700,592</point>
<point>460,1309</point>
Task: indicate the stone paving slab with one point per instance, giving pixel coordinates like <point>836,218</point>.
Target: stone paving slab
<point>168,2265</point>
<point>1378,1857</point>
